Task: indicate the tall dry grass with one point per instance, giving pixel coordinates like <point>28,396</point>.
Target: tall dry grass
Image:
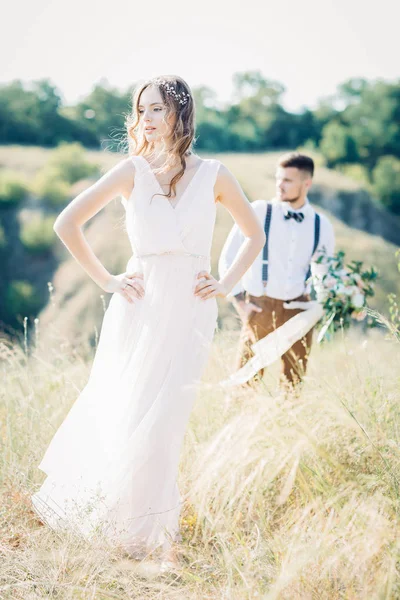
<point>286,497</point>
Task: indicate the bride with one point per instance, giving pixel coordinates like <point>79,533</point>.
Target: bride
<point>111,467</point>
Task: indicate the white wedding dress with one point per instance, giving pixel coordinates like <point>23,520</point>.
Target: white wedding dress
<point>112,465</point>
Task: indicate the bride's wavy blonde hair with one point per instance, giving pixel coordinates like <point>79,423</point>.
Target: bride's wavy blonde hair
<point>183,128</point>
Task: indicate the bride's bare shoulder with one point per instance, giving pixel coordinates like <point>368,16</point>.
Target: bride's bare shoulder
<point>125,171</point>
<point>224,176</point>
<point>226,185</point>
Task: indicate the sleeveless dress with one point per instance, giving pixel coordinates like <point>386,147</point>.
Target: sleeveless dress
<point>112,465</point>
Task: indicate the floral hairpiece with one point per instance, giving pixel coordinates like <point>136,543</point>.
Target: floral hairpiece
<point>182,97</point>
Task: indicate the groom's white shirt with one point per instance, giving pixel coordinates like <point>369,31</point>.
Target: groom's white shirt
<point>290,247</point>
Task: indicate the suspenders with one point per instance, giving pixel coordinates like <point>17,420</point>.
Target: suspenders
<point>317,228</point>
<point>267,225</point>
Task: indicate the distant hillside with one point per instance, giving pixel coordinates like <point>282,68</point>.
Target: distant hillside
<point>77,305</point>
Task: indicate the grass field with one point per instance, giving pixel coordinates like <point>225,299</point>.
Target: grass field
<point>289,498</point>
<point>285,498</point>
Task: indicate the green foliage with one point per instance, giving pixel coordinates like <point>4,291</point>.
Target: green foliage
<point>37,234</point>
<point>12,189</point>
<point>212,134</point>
<point>337,144</point>
<point>67,165</point>
<point>373,116</point>
<point>49,185</point>
<point>394,308</point>
<point>3,239</point>
<point>368,123</point>
<point>31,114</point>
<point>359,124</point>
<point>103,113</point>
<point>69,161</point>
<point>252,86</point>
<point>346,289</point>
<point>356,171</point>
<point>386,182</point>
<point>21,299</point>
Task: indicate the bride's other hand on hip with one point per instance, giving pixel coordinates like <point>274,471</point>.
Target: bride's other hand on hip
<point>209,287</point>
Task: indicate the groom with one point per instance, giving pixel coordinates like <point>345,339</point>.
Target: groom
<point>295,236</point>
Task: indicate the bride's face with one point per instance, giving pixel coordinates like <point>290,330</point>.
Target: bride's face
<point>154,120</point>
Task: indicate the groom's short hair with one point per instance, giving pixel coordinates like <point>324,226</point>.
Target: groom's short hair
<point>300,161</point>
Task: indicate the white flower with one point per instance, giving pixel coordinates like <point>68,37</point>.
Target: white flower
<point>340,288</point>
<point>358,300</point>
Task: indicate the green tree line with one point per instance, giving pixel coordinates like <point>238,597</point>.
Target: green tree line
<point>357,127</point>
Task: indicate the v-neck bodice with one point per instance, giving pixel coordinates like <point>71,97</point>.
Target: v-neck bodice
<point>188,185</point>
<point>155,226</point>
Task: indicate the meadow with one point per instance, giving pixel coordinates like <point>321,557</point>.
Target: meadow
<point>286,497</point>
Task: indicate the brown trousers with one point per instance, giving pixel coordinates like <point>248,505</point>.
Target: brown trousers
<point>260,324</point>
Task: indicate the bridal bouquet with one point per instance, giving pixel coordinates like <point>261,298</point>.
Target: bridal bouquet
<point>346,289</point>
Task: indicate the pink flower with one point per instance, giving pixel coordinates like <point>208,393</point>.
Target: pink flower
<point>359,315</point>
<point>330,282</point>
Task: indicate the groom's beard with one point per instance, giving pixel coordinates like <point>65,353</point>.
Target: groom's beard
<point>291,200</point>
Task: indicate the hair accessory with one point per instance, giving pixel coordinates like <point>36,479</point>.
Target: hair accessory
<point>182,97</point>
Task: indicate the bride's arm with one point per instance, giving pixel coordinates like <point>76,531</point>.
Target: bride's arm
<point>228,192</point>
<point>119,180</point>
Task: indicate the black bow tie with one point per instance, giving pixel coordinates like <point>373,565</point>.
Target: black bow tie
<point>297,216</point>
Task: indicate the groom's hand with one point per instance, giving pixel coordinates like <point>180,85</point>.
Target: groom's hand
<point>245,309</point>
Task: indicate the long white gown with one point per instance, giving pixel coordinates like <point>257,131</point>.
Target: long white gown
<point>112,465</point>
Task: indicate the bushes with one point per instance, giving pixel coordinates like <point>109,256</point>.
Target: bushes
<point>66,166</point>
<point>50,186</point>
<point>21,299</point>
<point>386,182</point>
<point>37,234</point>
<point>12,189</point>
<point>68,162</point>
<point>3,239</point>
<point>27,236</point>
<point>337,145</point>
<point>356,171</point>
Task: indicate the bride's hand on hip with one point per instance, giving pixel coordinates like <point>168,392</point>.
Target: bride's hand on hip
<point>129,285</point>
<point>209,287</point>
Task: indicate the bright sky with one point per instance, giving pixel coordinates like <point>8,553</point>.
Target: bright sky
<point>308,45</point>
